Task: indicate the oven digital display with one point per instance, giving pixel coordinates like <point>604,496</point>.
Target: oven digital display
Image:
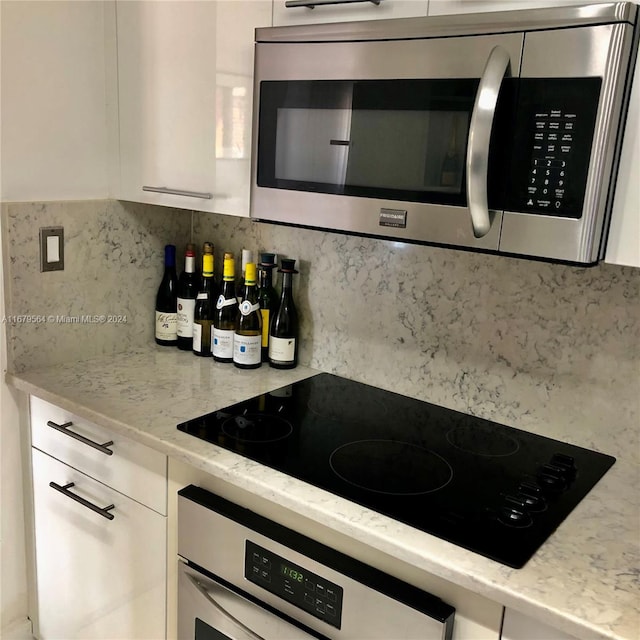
<point>291,573</point>
<point>306,590</point>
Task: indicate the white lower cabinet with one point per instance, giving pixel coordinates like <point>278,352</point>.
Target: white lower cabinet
<point>100,555</point>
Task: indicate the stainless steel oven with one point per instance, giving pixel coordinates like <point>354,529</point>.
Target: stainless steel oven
<point>244,577</point>
<point>497,132</point>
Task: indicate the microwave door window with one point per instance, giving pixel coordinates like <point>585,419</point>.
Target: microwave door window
<point>408,150</point>
<point>312,145</point>
<point>400,140</point>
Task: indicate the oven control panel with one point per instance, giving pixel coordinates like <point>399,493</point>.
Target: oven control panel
<point>306,590</point>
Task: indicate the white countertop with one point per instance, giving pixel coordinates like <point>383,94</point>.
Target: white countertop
<point>583,580</point>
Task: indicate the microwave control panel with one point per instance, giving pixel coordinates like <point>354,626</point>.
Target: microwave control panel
<point>308,591</point>
<point>554,128</point>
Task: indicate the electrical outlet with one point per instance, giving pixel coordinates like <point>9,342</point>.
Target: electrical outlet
<point>51,248</point>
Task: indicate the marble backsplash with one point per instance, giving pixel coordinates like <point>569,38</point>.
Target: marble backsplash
<point>518,341</point>
<point>113,260</point>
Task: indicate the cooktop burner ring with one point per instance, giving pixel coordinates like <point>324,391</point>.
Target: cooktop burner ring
<point>257,427</point>
<point>361,458</point>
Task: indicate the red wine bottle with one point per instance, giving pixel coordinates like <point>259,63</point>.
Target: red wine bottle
<point>283,334</point>
<point>166,301</point>
<point>187,291</point>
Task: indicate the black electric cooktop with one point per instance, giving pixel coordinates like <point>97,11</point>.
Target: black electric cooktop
<point>495,490</point>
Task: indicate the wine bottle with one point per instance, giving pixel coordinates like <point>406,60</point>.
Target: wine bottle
<point>207,247</point>
<point>247,257</point>
<point>451,165</point>
<point>224,318</point>
<point>247,339</point>
<point>204,309</point>
<point>267,297</point>
<point>283,333</point>
<point>187,292</point>
<point>166,301</point>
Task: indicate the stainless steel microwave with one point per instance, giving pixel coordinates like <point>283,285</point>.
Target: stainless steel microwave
<point>495,132</point>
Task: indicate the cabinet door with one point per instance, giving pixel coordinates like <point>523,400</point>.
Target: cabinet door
<point>185,95</point>
<point>346,12</point>
<point>623,245</point>
<point>96,578</point>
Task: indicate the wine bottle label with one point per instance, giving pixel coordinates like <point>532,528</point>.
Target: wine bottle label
<point>203,295</point>
<point>222,346</point>
<point>197,338</point>
<point>282,349</point>
<point>265,327</point>
<point>246,349</point>
<point>225,302</point>
<point>186,307</point>
<point>246,307</point>
<point>166,325</point>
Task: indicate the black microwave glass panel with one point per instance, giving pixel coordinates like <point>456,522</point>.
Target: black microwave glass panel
<point>392,139</point>
<point>554,128</point>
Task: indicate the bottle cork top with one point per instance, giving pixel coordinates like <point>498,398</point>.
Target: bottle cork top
<point>287,266</point>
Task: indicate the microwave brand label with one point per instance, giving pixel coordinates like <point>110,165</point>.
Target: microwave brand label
<point>393,218</point>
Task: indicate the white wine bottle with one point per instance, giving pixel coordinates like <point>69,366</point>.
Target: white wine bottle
<point>247,340</point>
<point>224,318</point>
<point>204,310</point>
<point>166,331</point>
<point>283,333</point>
<point>247,257</point>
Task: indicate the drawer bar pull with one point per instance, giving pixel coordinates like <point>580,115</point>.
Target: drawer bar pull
<point>64,428</point>
<point>64,490</point>
<point>179,192</point>
<point>289,4</point>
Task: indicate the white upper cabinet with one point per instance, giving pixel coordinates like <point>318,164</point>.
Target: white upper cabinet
<point>185,74</point>
<point>54,102</point>
<point>298,13</point>
<point>623,246</point>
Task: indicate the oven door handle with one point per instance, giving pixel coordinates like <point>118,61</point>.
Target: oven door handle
<point>205,591</point>
<point>482,117</point>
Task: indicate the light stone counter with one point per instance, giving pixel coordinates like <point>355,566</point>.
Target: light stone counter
<point>583,580</point>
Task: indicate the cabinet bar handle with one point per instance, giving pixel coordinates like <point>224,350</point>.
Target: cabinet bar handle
<point>64,490</point>
<point>64,428</point>
<point>179,192</point>
<point>289,4</point>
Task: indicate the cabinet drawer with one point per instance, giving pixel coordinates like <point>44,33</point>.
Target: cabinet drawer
<point>132,468</point>
<point>96,578</point>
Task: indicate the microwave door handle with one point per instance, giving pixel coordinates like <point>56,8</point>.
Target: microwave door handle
<point>482,117</point>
